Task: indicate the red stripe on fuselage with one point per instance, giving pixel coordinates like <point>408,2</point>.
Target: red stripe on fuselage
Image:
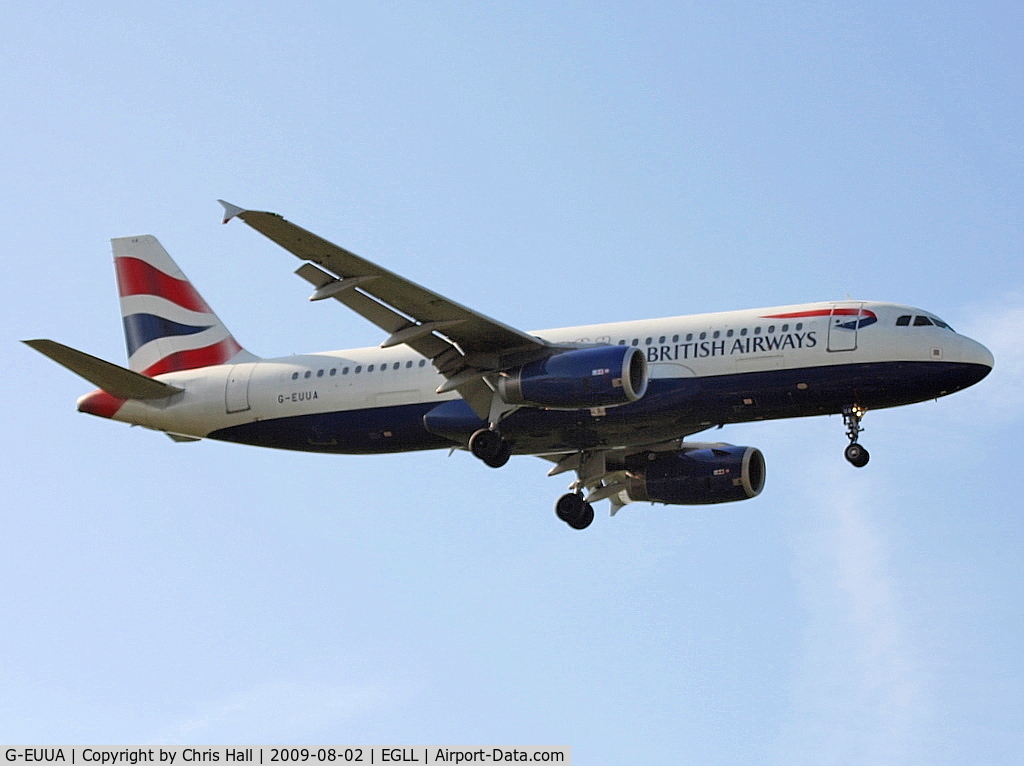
<point>136,277</point>
<point>820,313</point>
<point>218,353</point>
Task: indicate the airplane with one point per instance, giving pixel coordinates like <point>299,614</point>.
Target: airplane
<point>614,403</point>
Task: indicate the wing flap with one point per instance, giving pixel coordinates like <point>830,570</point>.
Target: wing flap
<point>376,312</point>
<point>419,337</point>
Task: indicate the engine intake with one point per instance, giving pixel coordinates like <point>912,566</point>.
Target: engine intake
<point>604,376</point>
<point>721,474</point>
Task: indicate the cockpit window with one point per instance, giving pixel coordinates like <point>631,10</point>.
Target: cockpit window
<point>922,321</point>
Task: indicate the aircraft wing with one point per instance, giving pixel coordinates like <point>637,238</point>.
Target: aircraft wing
<point>463,344</point>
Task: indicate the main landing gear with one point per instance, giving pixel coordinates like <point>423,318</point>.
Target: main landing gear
<point>855,453</point>
<point>488,445</point>
<point>574,510</point>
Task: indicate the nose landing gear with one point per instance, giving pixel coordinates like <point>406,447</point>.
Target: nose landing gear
<point>855,453</point>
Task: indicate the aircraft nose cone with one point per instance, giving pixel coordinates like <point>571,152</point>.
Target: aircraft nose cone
<point>975,360</point>
<point>975,353</point>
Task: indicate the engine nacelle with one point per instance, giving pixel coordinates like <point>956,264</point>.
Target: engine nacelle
<point>604,376</point>
<point>720,474</point>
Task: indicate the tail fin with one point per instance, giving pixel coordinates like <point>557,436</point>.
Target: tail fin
<point>167,324</point>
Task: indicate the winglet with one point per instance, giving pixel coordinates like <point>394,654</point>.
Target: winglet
<point>230,211</point>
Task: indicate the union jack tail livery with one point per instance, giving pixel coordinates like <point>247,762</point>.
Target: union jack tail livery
<point>167,325</point>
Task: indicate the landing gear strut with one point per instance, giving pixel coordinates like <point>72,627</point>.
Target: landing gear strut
<point>574,510</point>
<point>488,445</point>
<point>855,453</point>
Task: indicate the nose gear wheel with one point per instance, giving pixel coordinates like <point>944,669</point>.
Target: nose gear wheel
<point>857,455</point>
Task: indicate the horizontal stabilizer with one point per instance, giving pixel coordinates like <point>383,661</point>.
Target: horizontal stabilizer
<point>116,381</point>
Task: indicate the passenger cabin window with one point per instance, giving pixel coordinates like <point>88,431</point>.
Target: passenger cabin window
<point>307,374</point>
<point>648,341</point>
<point>743,331</point>
<point>408,365</point>
<point>422,362</point>
<point>922,322</point>
<point>622,342</point>
<point>295,376</point>
<point>729,334</point>
<point>903,321</point>
<point>675,338</point>
<point>661,339</point>
<point>716,334</point>
<point>703,335</point>
<point>636,341</point>
<point>689,337</point>
<point>334,371</point>
<point>344,370</point>
<point>359,368</point>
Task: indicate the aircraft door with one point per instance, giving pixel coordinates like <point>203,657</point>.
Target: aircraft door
<point>843,325</point>
<point>236,391</point>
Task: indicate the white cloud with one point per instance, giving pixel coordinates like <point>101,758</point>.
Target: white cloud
<point>857,696</point>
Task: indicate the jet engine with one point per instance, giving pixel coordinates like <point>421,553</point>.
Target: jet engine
<point>603,376</point>
<point>719,474</point>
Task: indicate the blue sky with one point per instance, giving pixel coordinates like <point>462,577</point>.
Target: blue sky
<point>548,164</point>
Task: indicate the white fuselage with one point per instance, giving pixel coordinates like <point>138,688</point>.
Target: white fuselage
<point>720,346</point>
